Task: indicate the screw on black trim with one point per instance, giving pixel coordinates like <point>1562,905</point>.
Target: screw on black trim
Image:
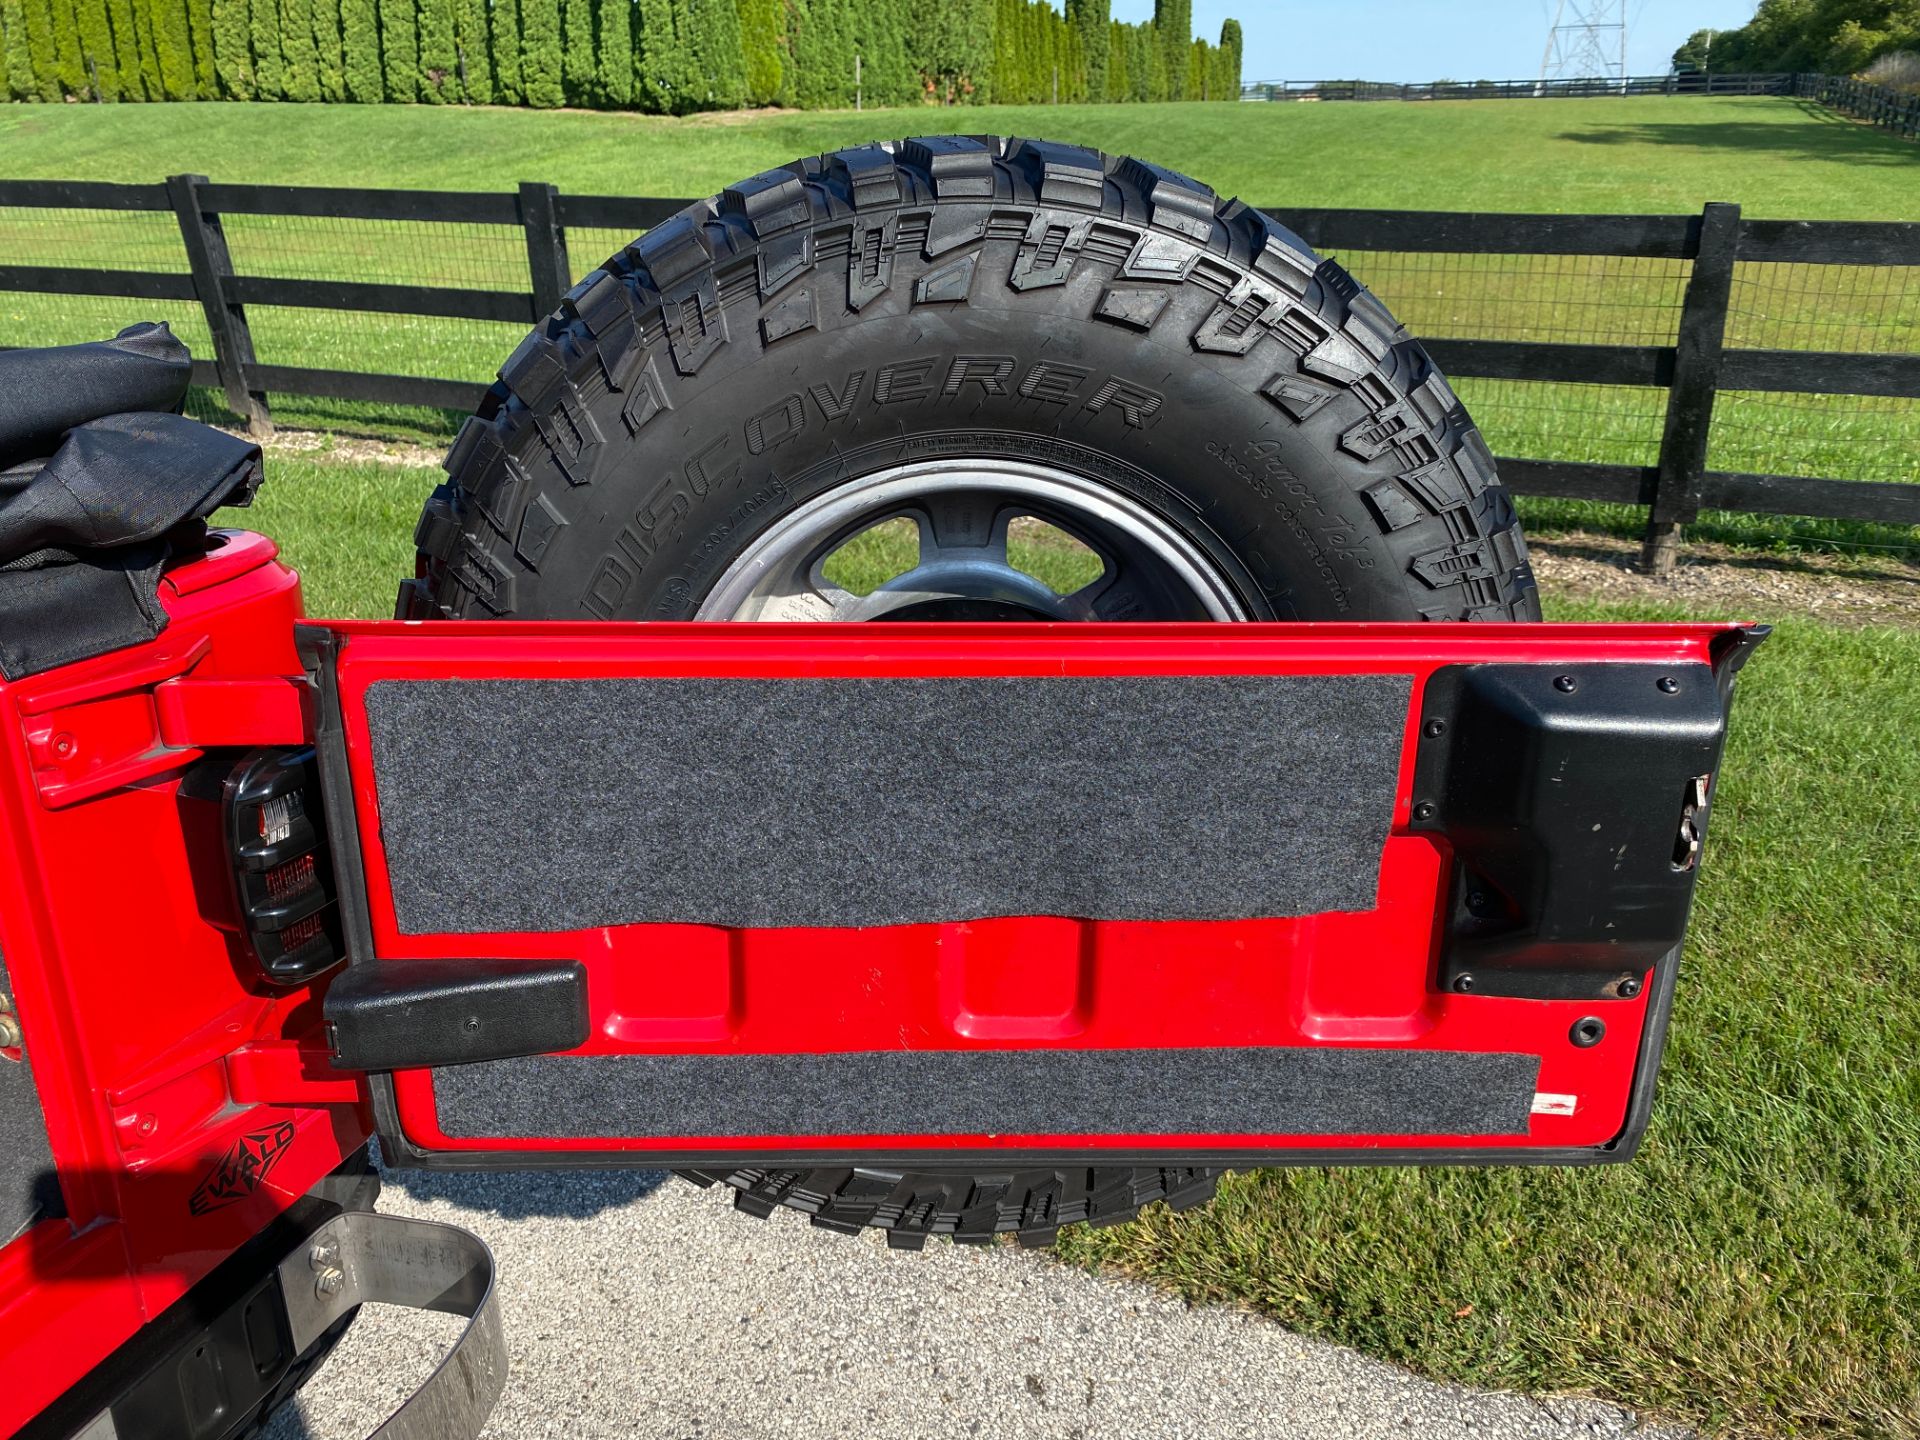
<point>1667,684</point>
<point>1425,810</point>
<point>1628,988</point>
<point>1565,684</point>
<point>1588,1031</point>
<point>1436,727</point>
<point>1463,983</point>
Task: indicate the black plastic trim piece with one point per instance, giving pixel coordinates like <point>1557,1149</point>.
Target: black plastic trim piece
<point>1568,797</point>
<point>414,1014</point>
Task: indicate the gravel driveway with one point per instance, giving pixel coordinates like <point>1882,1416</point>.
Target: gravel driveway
<point>637,1305</point>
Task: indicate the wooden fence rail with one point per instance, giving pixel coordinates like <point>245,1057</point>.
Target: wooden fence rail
<point>1692,371</point>
<point>1881,105</point>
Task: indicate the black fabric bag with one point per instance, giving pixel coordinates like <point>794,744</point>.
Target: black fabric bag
<point>45,393</point>
<point>85,535</point>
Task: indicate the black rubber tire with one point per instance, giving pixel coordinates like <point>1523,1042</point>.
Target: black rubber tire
<point>977,296</point>
<point>971,1206</point>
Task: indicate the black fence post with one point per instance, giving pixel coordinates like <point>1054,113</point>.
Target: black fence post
<point>1696,380</point>
<point>212,267</point>
<point>546,246</point>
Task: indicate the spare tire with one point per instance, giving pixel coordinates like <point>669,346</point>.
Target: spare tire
<point>963,331</point>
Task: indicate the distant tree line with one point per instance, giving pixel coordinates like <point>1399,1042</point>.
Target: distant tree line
<point>665,56</point>
<point>1833,37</point>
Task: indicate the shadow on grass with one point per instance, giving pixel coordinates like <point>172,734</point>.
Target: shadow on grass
<point>1833,137</point>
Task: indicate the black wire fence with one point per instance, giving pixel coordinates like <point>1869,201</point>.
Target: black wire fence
<point>1584,87</point>
<point>1679,363</point>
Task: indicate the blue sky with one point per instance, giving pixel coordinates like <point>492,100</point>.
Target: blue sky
<point>1430,39</point>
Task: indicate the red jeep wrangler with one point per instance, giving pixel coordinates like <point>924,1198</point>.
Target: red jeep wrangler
<point>950,926</point>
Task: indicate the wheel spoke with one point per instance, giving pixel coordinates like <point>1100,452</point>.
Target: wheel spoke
<point>969,520</point>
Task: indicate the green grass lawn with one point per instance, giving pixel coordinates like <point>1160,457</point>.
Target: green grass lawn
<point>1777,157</point>
<point>1649,155</point>
<point>1755,1269</point>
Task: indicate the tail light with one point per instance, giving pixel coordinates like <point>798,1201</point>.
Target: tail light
<point>283,875</point>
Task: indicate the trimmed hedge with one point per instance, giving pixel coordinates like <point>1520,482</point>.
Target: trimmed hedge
<point>439,65</point>
<point>667,56</point>
<point>542,79</point>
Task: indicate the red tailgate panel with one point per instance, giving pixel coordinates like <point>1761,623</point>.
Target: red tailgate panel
<point>1366,980</point>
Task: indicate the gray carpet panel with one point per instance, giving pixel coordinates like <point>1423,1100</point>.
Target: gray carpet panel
<point>537,805</point>
<point>1236,1090</point>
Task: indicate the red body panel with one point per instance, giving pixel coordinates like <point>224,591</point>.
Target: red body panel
<point>132,1003</point>
<point>1340,979</point>
<point>157,1050</point>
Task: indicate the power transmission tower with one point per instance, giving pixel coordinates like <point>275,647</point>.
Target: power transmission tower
<point>1587,41</point>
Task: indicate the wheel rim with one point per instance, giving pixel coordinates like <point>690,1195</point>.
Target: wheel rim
<point>963,509</point>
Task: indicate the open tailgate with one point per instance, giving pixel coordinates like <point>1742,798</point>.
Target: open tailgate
<point>698,894</point>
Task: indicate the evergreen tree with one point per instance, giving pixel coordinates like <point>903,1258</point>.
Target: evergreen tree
<point>438,82</point>
<point>41,57</point>
<point>300,79</point>
<point>540,67</point>
<point>473,51</point>
<point>16,58</point>
<point>1009,70</point>
<point>149,58</point>
<point>69,65</point>
<point>360,50</point>
<point>1092,21</point>
<point>126,50</point>
<point>505,27</point>
<point>263,29</point>
<point>952,46</point>
<point>614,26</point>
<point>96,49</point>
<point>690,55</point>
<point>713,36</point>
<point>579,75</point>
<point>888,75</point>
<point>1226,62</point>
<point>144,34</point>
<point>173,39</point>
<point>399,50</point>
<point>1173,25</point>
<point>763,47</point>
<point>206,84</point>
<point>329,58</point>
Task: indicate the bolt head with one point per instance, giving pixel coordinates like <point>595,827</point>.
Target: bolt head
<point>1425,810</point>
<point>1629,987</point>
<point>324,1255</point>
<point>1463,983</point>
<point>9,1033</point>
<point>329,1282</point>
<point>63,747</point>
<point>1436,727</point>
<point>1565,684</point>
<point>1667,685</point>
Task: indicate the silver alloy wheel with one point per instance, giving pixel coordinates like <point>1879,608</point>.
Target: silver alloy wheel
<point>962,509</point>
